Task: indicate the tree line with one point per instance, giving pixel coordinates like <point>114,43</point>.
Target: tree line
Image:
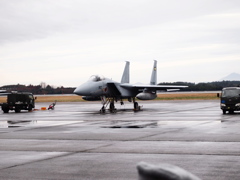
<point>38,89</point>
<point>208,86</point>
<point>47,89</point>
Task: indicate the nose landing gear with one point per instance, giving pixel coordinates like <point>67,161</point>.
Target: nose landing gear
<point>105,102</point>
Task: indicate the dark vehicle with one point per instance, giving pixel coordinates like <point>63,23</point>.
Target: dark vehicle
<point>230,99</point>
<point>19,101</point>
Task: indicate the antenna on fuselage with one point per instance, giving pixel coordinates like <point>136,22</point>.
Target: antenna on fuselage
<point>125,76</point>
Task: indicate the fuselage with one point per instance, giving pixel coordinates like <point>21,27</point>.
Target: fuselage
<point>95,86</point>
<point>98,86</point>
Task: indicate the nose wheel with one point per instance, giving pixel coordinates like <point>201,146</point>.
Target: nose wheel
<point>112,107</point>
<point>103,109</point>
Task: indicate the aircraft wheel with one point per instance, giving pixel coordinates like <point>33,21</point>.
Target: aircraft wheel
<point>112,107</point>
<point>136,106</point>
<point>102,110</point>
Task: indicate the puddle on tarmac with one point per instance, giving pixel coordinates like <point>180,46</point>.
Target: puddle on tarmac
<point>24,123</point>
<point>132,125</point>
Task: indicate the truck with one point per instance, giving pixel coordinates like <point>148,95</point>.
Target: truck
<point>230,99</point>
<point>19,101</point>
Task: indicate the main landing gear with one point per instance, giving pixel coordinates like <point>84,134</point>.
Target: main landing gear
<point>135,105</point>
<point>105,103</point>
<point>112,109</point>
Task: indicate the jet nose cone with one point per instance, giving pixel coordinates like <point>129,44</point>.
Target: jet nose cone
<point>75,91</point>
<point>78,91</point>
<point>81,90</point>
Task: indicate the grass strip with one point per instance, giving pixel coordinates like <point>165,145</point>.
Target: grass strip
<point>187,96</point>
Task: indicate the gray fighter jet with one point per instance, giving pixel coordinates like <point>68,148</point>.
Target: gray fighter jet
<point>109,91</point>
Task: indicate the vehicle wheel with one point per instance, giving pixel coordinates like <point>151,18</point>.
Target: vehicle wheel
<point>224,111</point>
<point>17,110</point>
<point>5,110</point>
<point>29,108</point>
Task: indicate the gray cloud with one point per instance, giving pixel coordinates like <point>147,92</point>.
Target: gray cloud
<point>26,19</point>
<point>71,35</point>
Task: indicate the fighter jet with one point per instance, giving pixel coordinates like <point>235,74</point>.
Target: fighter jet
<point>109,91</point>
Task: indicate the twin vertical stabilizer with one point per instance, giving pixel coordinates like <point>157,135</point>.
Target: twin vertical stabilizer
<point>125,76</point>
<point>153,80</point>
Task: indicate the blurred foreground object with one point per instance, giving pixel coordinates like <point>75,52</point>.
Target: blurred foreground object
<point>163,172</point>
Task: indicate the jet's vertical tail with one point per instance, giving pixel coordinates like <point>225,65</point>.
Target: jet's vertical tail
<point>153,80</point>
<point>125,76</point>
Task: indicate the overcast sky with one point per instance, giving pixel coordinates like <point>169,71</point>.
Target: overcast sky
<point>64,42</point>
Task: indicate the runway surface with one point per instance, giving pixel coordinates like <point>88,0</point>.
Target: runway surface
<point>75,141</point>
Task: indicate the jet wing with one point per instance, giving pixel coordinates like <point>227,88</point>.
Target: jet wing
<point>153,87</point>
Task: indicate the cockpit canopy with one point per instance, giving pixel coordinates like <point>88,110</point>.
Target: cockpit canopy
<point>96,78</point>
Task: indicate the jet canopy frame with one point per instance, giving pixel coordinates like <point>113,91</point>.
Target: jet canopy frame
<point>96,78</point>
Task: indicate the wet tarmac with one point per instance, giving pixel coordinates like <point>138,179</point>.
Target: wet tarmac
<point>75,141</point>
